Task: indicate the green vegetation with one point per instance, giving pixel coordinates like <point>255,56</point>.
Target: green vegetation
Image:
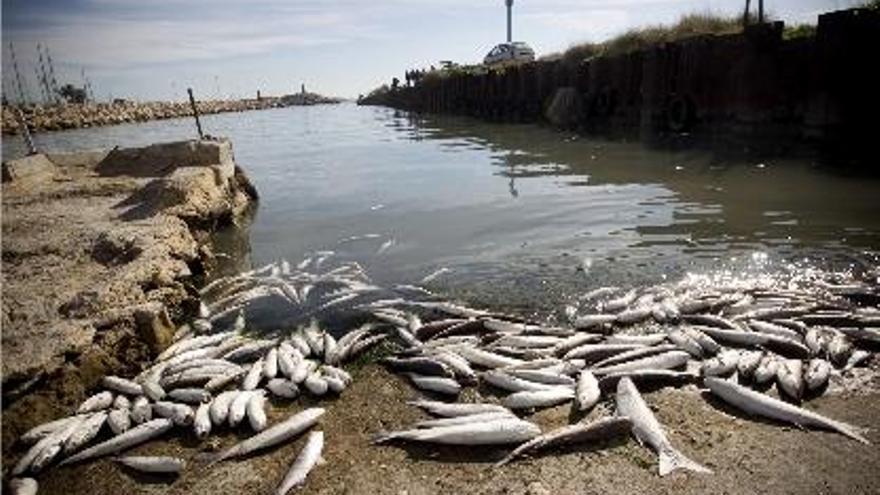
<point>799,31</point>
<point>639,38</point>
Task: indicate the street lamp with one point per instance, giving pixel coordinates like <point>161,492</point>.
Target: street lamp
<point>509,20</point>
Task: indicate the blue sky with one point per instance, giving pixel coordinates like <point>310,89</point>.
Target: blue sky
<point>154,49</point>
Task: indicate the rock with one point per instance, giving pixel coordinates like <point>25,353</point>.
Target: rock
<point>29,170</point>
<point>154,326</point>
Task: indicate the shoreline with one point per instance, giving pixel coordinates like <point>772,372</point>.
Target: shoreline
<point>101,254</point>
<point>46,118</point>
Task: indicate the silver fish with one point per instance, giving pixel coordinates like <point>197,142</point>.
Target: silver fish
<point>648,376</point>
<point>97,402</point>
<point>23,486</point>
<point>759,404</point>
<point>601,429</point>
<point>202,420</point>
<point>181,414</point>
<point>274,435</point>
<point>256,411</point>
<point>647,429</point>
<point>238,407</point>
<point>86,432</point>
<point>153,464</point>
<point>451,410</point>
<point>666,360</point>
<point>538,398</point>
<point>190,395</point>
<point>766,371</point>
<point>503,380</point>
<point>437,384</point>
<point>135,436</point>
<point>587,392</point>
<point>721,365</point>
<point>747,364</point>
<point>219,409</point>
<point>121,385</point>
<point>500,431</point>
<point>817,374</point>
<point>280,387</point>
<point>790,378</point>
<point>315,384</point>
<point>305,461</point>
<point>119,421</point>
<point>686,343</point>
<point>458,420</point>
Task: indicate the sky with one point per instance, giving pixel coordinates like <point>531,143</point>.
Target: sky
<point>155,49</point>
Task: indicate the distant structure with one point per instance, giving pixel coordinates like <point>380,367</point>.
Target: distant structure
<point>303,88</point>
<point>21,94</point>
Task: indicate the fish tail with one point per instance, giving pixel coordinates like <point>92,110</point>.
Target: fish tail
<point>383,436</point>
<point>670,460</point>
<point>854,432</point>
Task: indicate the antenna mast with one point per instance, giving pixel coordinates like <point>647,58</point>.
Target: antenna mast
<point>54,82</point>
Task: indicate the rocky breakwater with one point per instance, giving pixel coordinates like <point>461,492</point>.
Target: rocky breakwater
<point>41,118</point>
<point>101,251</point>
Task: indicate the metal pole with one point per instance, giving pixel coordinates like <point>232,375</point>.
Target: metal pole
<point>509,20</point>
<point>21,97</point>
<point>25,133</point>
<point>192,102</point>
<point>760,11</point>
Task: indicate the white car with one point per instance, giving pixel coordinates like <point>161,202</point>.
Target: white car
<point>510,52</point>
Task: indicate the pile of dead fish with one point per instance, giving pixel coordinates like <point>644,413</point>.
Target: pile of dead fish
<point>736,336</point>
<point>220,372</point>
<point>269,334</point>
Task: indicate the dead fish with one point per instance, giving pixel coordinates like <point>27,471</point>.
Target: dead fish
<point>135,436</point>
<point>747,364</point>
<point>270,364</point>
<point>839,350</point>
<point>541,376</point>
<point>636,353</point>
<point>437,384</point>
<point>595,352</point>
<point>420,365</point>
<point>253,376</point>
<point>459,366</point>
<point>620,303</point>
<point>575,341</point>
<point>280,387</point>
<point>153,464</point>
<point>485,358</point>
<point>97,402</point>
<point>121,402</point>
<point>782,345</point>
<point>534,399</point>
<point>256,411</point>
<point>450,410</point>
<point>646,376</point>
<point>602,429</point>
<point>856,358</point>
<point>274,435</point>
<point>40,431</point>
<point>710,320</point>
<point>458,420</point>
<point>315,384</point>
<point>505,381</point>
<point>686,343</point>
<point>817,374</point>
<point>119,420</point>
<point>219,409</point>
<point>85,432</point>
<point>202,420</point>
<point>500,431</point>
<point>633,316</point>
<point>666,360</point>
<point>721,365</point>
<point>121,385</point>
<point>707,343</point>
<point>773,329</point>
<point>305,461</point>
<point>23,486</point>
<point>190,395</point>
<point>181,414</point>
<point>790,378</point>
<point>763,405</point>
<point>592,322</point>
<point>648,340</point>
<point>647,429</point>
<point>587,392</point>
<point>766,371</point>
<point>46,450</point>
<point>238,407</point>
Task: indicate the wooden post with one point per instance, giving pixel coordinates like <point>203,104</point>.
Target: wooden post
<point>760,11</point>
<point>25,133</point>
<point>192,102</point>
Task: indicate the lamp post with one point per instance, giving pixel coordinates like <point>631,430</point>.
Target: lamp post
<point>509,20</point>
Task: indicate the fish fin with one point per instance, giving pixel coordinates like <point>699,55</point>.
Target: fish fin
<point>673,459</point>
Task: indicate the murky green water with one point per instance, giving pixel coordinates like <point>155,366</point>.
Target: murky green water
<point>522,215</point>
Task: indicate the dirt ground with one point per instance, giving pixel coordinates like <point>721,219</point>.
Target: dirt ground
<point>748,456</point>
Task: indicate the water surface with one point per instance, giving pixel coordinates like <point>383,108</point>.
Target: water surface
<point>521,214</point>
